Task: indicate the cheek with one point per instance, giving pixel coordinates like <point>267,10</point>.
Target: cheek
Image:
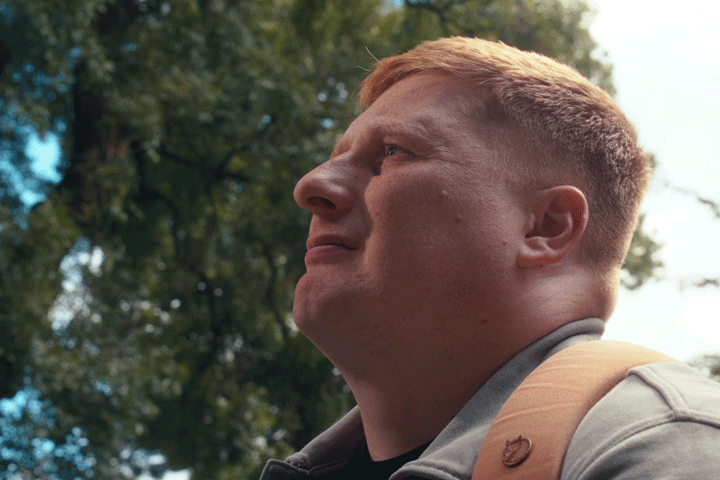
<point>434,244</point>
<point>427,224</point>
<point>411,210</point>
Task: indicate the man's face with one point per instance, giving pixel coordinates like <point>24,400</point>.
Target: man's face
<point>413,230</point>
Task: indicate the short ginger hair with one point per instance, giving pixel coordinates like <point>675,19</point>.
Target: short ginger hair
<point>555,127</point>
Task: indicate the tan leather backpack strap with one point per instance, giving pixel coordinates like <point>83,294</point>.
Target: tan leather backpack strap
<point>533,429</point>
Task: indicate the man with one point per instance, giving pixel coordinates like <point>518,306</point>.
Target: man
<point>471,222</point>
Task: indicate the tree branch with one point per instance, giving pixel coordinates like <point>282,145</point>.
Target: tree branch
<point>220,172</point>
<point>5,56</point>
<point>439,10</point>
<point>270,296</point>
<point>428,5</point>
<point>711,204</point>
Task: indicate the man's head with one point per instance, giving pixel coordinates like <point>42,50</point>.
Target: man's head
<point>554,125</point>
<point>452,214</point>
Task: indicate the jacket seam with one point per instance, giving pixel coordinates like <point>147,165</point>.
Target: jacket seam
<point>617,440</point>
<point>674,399</point>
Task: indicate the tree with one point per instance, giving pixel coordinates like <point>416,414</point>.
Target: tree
<point>27,450</point>
<point>148,296</point>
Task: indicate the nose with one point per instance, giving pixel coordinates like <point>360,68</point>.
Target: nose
<point>325,191</point>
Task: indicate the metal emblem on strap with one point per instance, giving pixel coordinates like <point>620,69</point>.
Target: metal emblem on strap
<point>516,451</point>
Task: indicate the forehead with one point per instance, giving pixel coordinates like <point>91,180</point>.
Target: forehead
<point>426,106</point>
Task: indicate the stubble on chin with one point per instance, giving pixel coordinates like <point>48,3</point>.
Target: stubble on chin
<point>319,305</point>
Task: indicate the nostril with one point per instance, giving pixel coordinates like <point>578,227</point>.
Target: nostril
<point>320,202</point>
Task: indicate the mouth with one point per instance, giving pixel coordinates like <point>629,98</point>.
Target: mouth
<point>326,247</point>
<point>329,241</point>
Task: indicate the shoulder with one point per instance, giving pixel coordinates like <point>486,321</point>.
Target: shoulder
<point>662,421</point>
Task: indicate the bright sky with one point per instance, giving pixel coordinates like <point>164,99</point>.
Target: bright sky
<point>667,76</point>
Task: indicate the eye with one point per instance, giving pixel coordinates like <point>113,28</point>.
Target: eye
<point>391,150</point>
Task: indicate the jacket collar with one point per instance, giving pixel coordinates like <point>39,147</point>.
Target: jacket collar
<point>453,453</point>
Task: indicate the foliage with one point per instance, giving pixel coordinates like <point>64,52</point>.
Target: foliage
<point>708,365</point>
<point>27,452</point>
<point>641,262</point>
<point>148,296</point>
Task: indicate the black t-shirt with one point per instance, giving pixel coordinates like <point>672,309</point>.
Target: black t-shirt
<point>362,467</point>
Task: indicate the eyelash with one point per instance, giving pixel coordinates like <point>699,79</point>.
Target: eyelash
<point>377,169</point>
<point>390,146</point>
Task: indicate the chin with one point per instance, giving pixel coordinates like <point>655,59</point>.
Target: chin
<point>324,295</point>
<point>303,315</point>
<point>316,307</point>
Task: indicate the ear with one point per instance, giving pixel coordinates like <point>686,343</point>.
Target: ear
<point>558,221</point>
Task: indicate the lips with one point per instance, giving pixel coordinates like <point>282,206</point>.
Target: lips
<point>326,240</point>
<point>327,246</point>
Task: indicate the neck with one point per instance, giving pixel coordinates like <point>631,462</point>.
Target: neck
<point>395,423</point>
<point>559,296</point>
<point>412,401</point>
<point>409,385</point>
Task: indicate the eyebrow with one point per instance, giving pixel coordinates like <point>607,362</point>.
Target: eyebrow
<point>419,128</point>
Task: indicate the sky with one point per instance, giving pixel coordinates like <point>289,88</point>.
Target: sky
<point>667,77</point>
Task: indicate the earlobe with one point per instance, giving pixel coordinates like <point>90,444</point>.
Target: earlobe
<point>558,221</point>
